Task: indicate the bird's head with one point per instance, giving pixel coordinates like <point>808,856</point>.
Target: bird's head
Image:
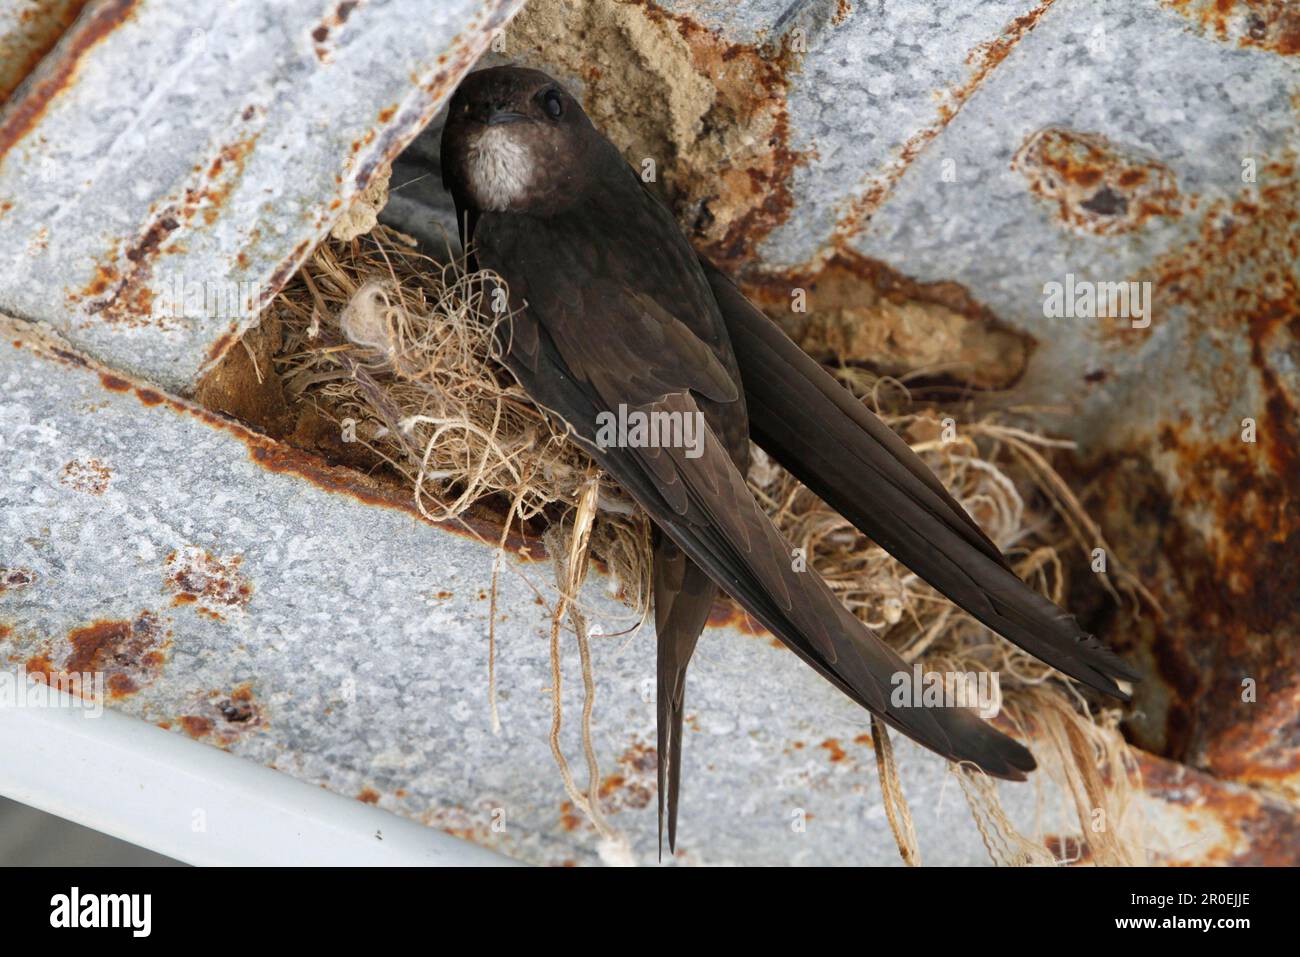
<point>516,141</point>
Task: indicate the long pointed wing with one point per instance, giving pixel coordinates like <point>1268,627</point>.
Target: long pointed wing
<point>585,345</point>
<point>722,529</point>
<point>833,444</point>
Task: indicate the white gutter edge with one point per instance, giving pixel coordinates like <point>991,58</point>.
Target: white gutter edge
<point>198,804</point>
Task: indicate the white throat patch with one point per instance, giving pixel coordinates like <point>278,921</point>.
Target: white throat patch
<point>500,167</point>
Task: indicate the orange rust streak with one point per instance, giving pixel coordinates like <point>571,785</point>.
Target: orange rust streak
<point>92,643</point>
<point>196,727</point>
<point>727,614</point>
<point>286,460</point>
<point>836,751</point>
<point>104,18</point>
<point>987,57</point>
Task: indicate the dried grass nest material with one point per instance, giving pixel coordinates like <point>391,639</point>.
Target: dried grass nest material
<point>399,349</point>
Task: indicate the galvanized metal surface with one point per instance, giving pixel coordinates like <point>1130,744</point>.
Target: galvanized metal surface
<point>168,165</point>
<point>240,593</point>
<point>197,804</point>
<point>822,165</point>
<point>28,29</point>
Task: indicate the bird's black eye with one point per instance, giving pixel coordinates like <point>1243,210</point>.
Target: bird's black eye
<point>552,104</point>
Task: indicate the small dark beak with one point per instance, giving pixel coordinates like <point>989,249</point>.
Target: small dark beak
<point>501,115</point>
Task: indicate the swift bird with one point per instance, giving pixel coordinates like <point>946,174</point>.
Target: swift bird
<point>613,313</point>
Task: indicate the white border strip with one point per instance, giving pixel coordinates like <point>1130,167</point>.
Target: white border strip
<point>196,803</point>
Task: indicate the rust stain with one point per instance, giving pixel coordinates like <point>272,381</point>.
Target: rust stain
<point>1232,825</point>
<point>368,796</point>
<point>833,748</point>
<point>983,60</point>
<point>122,290</point>
<point>631,788</point>
<point>49,81</point>
<point>86,475</point>
<point>11,579</point>
<point>1068,849</point>
<point>570,820</point>
<point>114,383</point>
<point>1095,185</point>
<point>31,38</point>
<point>727,614</point>
<point>42,667</point>
<point>1272,25</point>
<point>1212,522</point>
<point>216,584</point>
<point>129,653</point>
<point>241,708</point>
<point>320,34</point>
<point>196,726</point>
<point>69,358</point>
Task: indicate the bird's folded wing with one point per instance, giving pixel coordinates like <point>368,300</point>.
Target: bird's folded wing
<point>702,503</point>
<point>833,444</point>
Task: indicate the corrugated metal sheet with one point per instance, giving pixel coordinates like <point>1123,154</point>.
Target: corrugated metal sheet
<point>167,166</point>
<point>955,159</point>
<point>213,594</point>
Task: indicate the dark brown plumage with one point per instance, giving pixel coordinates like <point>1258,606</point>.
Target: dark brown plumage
<point>614,309</point>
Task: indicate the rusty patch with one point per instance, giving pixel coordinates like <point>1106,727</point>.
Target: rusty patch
<point>1212,522</point>
<point>631,788</point>
<point>223,718</point>
<point>983,60</point>
<point>214,584</point>
<point>859,310</point>
<point>240,707</point>
<point>196,726</point>
<point>86,475</point>
<point>727,614</point>
<point>832,747</point>
<point>54,75</point>
<point>368,796</point>
<point>11,579</point>
<point>122,290</point>
<point>1068,849</point>
<point>320,34</point>
<point>1272,25</point>
<point>33,36</point>
<point>42,668</point>
<point>1096,185</point>
<point>128,653</point>
<point>1225,824</point>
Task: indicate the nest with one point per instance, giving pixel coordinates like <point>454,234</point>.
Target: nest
<point>400,350</point>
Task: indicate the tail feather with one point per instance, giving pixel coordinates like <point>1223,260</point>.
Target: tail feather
<point>684,596</point>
